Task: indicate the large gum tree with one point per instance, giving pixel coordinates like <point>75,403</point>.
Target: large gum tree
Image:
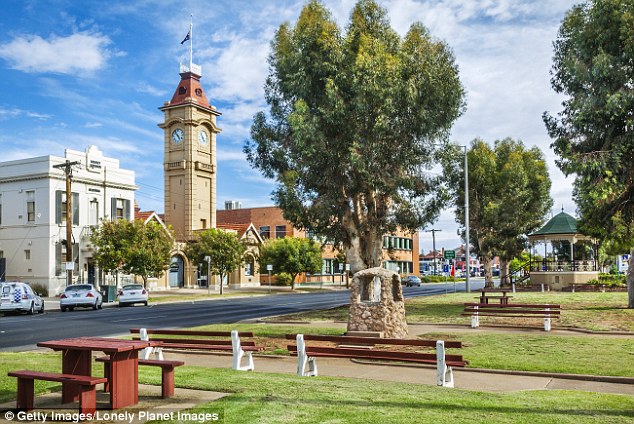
<point>593,66</point>
<point>353,120</point>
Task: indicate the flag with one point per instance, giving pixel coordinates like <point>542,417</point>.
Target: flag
<point>453,271</point>
<point>187,37</point>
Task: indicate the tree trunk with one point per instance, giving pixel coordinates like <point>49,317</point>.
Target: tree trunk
<point>504,272</point>
<point>487,262</point>
<point>144,278</point>
<point>629,278</point>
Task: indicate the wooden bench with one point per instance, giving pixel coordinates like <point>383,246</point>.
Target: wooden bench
<point>167,372</point>
<point>87,385</point>
<point>239,348</point>
<point>520,310</point>
<point>494,295</point>
<point>364,348</point>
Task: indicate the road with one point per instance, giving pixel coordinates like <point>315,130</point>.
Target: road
<point>20,332</point>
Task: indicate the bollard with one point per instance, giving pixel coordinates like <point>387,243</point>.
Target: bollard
<point>542,287</point>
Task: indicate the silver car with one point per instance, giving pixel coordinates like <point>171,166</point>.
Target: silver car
<point>80,295</point>
<point>19,297</point>
<point>131,294</point>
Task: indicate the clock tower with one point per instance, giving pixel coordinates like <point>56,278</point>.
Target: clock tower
<point>189,127</point>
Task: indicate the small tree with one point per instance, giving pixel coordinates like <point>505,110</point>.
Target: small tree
<point>148,254</point>
<point>135,247</point>
<point>291,255</point>
<point>225,251</point>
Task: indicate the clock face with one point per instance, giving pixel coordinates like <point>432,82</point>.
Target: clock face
<point>202,138</point>
<point>177,136</point>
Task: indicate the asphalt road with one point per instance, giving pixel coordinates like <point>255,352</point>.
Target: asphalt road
<point>20,332</point>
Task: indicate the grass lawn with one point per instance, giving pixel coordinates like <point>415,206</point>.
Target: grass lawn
<point>277,398</point>
<point>592,311</point>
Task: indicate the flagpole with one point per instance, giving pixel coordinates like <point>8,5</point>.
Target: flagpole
<point>191,41</point>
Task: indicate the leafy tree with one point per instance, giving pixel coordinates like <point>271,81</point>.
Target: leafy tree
<point>291,255</point>
<point>594,133</point>
<point>352,125</point>
<point>135,247</point>
<point>225,251</point>
<point>509,196</point>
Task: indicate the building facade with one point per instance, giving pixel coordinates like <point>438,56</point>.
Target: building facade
<point>33,214</point>
<point>400,251</point>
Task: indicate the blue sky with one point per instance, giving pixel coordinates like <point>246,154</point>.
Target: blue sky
<point>77,73</point>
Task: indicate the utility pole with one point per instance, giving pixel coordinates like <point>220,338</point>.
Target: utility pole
<point>68,170</point>
<point>433,238</point>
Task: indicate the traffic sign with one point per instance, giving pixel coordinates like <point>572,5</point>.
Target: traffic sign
<point>450,254</point>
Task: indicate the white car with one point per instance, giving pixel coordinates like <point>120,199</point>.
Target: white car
<point>131,294</point>
<point>80,295</point>
<point>19,297</point>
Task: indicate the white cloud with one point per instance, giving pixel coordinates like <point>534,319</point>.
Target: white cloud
<point>93,124</point>
<point>78,53</point>
<point>6,114</point>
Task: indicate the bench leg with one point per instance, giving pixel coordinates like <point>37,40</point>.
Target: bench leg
<point>238,354</point>
<point>303,360</point>
<point>444,374</point>
<point>475,319</point>
<point>547,323</point>
<point>106,374</point>
<point>88,400</point>
<point>26,394</point>
<point>167,382</point>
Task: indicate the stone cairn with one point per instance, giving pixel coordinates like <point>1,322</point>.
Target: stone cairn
<point>376,303</point>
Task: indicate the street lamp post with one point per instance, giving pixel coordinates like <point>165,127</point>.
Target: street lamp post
<point>433,238</point>
<point>466,220</point>
<point>269,268</point>
<point>208,260</point>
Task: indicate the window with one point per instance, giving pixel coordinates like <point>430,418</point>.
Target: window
<point>30,206</point>
<point>60,207</point>
<point>249,266</point>
<point>27,255</point>
<point>120,209</point>
<point>265,232</point>
<point>203,224</point>
<point>280,231</point>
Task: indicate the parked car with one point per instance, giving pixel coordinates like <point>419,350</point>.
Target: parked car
<point>80,295</point>
<point>19,297</point>
<point>412,280</point>
<point>131,294</point>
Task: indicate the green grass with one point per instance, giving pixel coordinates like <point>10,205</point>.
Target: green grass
<point>591,311</point>
<point>286,398</point>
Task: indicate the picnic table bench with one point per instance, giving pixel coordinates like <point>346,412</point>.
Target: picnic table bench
<point>364,348</point>
<point>167,372</point>
<point>204,340</point>
<point>85,383</point>
<point>521,310</point>
<point>500,295</point>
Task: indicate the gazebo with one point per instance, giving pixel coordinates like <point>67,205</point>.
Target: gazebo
<point>567,256</point>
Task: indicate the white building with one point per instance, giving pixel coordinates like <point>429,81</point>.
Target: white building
<point>33,214</point>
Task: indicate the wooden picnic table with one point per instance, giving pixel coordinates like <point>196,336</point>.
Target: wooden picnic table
<point>77,359</point>
<point>503,298</point>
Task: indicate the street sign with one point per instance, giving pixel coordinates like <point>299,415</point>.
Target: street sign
<point>450,254</point>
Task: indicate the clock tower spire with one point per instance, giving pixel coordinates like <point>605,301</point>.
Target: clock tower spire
<point>189,127</point>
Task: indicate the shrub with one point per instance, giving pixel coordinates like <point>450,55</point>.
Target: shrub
<point>283,279</point>
<point>40,289</point>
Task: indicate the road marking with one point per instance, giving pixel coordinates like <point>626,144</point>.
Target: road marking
<point>139,318</point>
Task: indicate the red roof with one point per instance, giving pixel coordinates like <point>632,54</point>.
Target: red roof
<point>239,228</point>
<point>142,215</point>
<point>188,90</point>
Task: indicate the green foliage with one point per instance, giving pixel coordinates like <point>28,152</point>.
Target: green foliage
<point>40,289</point>
<point>134,247</point>
<point>225,251</point>
<point>291,255</point>
<point>283,279</point>
<point>351,126</point>
<point>509,194</point>
<point>594,133</point>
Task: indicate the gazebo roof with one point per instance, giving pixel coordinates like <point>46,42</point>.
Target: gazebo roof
<point>562,223</point>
